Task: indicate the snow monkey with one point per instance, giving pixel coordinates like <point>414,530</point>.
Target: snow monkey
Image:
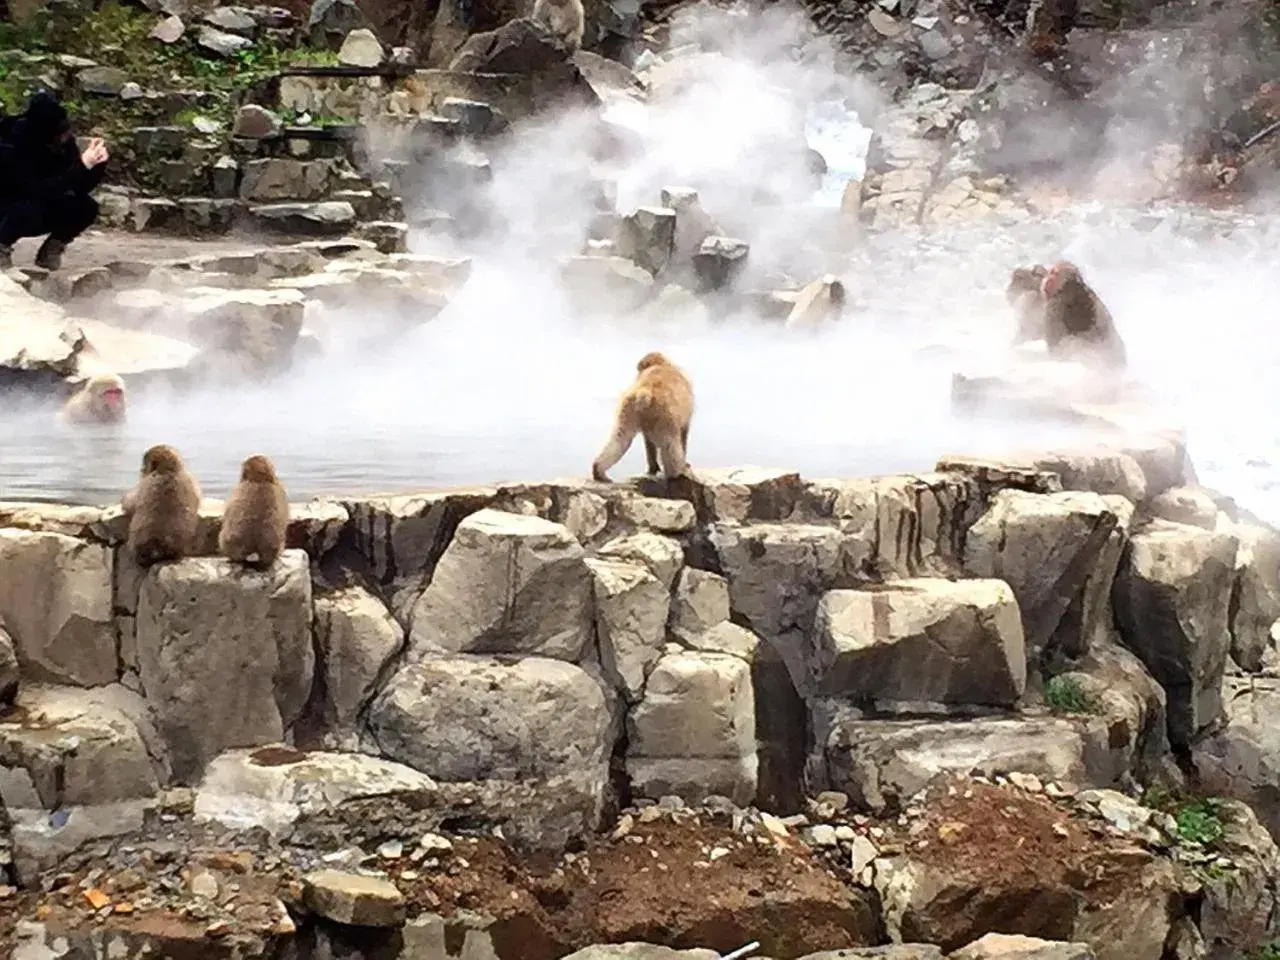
<point>163,508</point>
<point>256,517</point>
<point>659,405</point>
<point>100,399</point>
<point>564,18</point>
<point>1024,295</point>
<point>1074,317</point>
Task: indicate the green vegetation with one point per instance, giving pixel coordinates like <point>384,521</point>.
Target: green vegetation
<point>1269,951</point>
<point>1199,822</point>
<point>1066,695</point>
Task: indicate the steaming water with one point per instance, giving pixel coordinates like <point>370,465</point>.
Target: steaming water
<point>505,386</point>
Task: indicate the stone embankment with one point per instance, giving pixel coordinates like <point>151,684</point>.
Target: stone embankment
<point>940,688</point>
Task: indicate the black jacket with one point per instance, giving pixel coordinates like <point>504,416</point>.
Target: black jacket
<point>34,165</point>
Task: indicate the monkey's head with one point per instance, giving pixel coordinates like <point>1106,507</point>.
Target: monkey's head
<point>257,469</point>
<point>106,392</point>
<point>161,458</point>
<point>1063,274</point>
<point>652,359</point>
<point>1025,280</point>
<point>835,288</point>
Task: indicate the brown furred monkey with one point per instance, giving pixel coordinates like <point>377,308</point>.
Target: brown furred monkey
<point>565,19</point>
<point>256,517</point>
<point>659,405</point>
<point>1074,318</point>
<point>163,508</point>
<point>1027,300</point>
<point>101,399</point>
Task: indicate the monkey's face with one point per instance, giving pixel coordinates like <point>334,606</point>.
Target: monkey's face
<point>108,398</point>
<point>1060,275</point>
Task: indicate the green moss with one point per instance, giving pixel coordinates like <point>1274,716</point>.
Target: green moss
<point>1066,695</point>
<point>1199,822</point>
<point>1269,951</point>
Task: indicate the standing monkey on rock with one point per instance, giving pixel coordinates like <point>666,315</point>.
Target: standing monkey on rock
<point>1075,318</point>
<point>564,18</point>
<point>256,517</point>
<point>659,405</point>
<point>163,508</point>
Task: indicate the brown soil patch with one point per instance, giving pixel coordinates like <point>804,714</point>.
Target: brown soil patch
<point>1006,838</point>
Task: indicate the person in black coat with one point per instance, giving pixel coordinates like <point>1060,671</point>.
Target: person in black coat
<point>45,181</point>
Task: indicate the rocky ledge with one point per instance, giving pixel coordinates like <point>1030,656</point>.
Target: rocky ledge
<point>817,713</point>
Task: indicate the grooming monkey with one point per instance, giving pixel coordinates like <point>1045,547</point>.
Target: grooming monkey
<point>1075,318</point>
<point>100,400</point>
<point>163,508</point>
<point>256,517</point>
<point>659,405</point>
<point>564,18</point>
<point>1027,300</point>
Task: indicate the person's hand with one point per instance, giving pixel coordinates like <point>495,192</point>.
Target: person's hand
<point>95,153</point>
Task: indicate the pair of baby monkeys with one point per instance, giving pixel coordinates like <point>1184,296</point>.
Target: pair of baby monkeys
<point>1055,305</point>
<point>164,512</point>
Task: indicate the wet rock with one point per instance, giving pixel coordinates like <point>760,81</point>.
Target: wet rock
<point>719,260</point>
<point>279,788</point>
<point>329,22</point>
<point>541,726</point>
<point>507,584</point>
<point>631,608</point>
<point>55,603</point>
<point>647,237</point>
<point>361,49</point>
<point>700,602</point>
<point>602,284</point>
<point>202,623</point>
<point>255,123</point>
<point>1255,598</point>
<point>221,44</point>
<point>923,640</point>
<point>353,899</point>
<point>1059,552</point>
<point>356,637</point>
<point>1171,597</point>
<point>326,218</point>
<point>693,734</point>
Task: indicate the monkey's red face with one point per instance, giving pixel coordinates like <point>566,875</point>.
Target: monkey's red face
<point>112,399</point>
<point>1054,280</point>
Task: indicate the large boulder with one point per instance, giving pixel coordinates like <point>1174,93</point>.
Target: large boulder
<point>521,46</point>
<point>694,733</point>
<point>533,722</point>
<point>204,626</point>
<point>1059,553</point>
<point>1172,599</point>
<point>356,637</point>
<point>55,602</point>
<point>1242,760</point>
<point>508,583</point>
<point>1255,600</point>
<point>928,640</point>
<point>631,607</point>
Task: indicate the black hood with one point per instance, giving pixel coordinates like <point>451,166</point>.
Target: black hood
<point>45,118</point>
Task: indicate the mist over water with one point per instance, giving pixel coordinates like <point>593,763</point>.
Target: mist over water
<point>509,384</point>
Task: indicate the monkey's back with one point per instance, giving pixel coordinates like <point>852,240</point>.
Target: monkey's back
<point>662,398</point>
<point>164,518</point>
<point>255,523</point>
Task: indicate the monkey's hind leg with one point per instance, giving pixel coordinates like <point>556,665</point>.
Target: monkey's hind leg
<point>613,451</point>
<point>651,456</point>
<point>671,451</point>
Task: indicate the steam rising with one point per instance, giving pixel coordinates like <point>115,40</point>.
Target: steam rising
<point>509,384</point>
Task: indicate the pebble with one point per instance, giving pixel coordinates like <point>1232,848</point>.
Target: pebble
<point>775,826</point>
<point>391,850</point>
<point>716,853</point>
<point>205,885</point>
<point>824,835</point>
<point>1026,781</point>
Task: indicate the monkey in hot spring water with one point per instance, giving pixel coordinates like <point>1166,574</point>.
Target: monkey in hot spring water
<point>100,400</point>
<point>1057,305</point>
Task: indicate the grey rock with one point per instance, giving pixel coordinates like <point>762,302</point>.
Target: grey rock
<point>353,899</point>
<point>361,49</point>
<point>168,31</point>
<point>700,602</point>
<point>255,123</point>
<point>356,637</point>
<point>327,218</point>
<point>1172,598</point>
<point>718,261</point>
<point>631,608</point>
<point>221,44</point>
<point>106,81</point>
<point>1255,600</point>
<point>280,179</point>
<point>203,623</point>
<point>476,119</point>
<point>232,20</point>
<point>329,22</point>
<point>647,237</point>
